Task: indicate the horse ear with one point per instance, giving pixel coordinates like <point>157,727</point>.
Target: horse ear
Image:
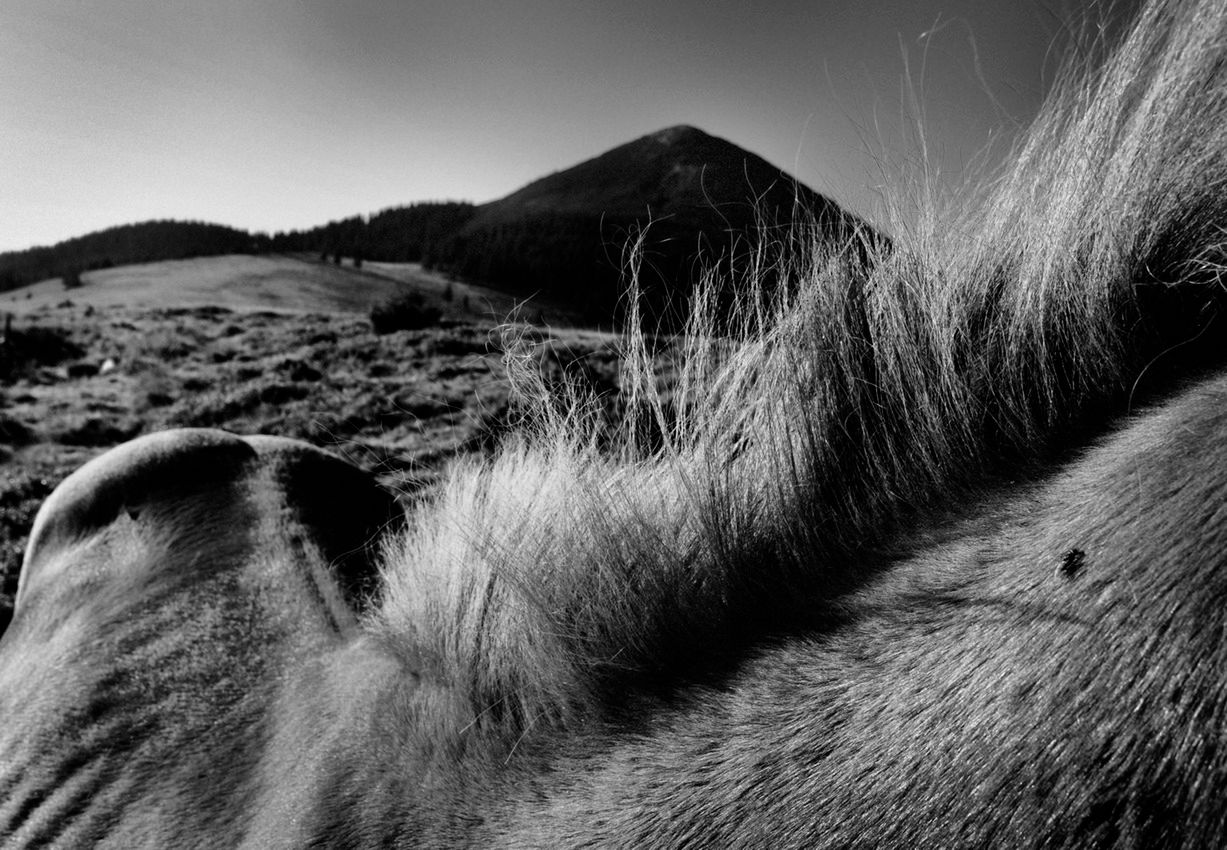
<point>169,589</point>
<point>206,500</point>
<point>124,495</point>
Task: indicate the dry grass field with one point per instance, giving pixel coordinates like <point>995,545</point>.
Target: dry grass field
<point>252,344</point>
<point>280,283</point>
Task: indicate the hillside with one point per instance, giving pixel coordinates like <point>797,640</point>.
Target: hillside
<point>408,234</point>
<point>125,244</point>
<point>680,172</point>
<point>278,283</point>
<point>560,239</point>
<point>565,233</point>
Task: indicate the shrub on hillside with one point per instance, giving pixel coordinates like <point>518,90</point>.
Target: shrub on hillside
<point>29,348</point>
<point>408,312</point>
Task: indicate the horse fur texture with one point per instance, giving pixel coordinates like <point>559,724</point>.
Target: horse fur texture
<point>924,548</point>
<point>869,395</point>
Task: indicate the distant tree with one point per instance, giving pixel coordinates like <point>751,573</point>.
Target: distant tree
<point>407,312</point>
<point>336,258</point>
<point>449,293</point>
<point>71,278</point>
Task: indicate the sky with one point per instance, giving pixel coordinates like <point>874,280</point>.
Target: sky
<point>289,113</point>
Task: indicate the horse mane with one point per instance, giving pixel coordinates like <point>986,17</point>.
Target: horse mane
<point>877,390</point>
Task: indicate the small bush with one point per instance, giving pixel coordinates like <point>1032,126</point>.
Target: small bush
<point>32,347</point>
<point>408,312</point>
<point>99,432</point>
<point>14,432</point>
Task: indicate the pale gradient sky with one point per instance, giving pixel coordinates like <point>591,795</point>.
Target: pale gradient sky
<point>288,113</point>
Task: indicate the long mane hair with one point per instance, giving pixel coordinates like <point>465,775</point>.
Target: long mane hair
<point>877,391</point>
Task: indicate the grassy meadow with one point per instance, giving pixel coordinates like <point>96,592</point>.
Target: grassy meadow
<point>272,345</point>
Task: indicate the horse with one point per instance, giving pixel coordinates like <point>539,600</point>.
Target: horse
<point>929,551</point>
